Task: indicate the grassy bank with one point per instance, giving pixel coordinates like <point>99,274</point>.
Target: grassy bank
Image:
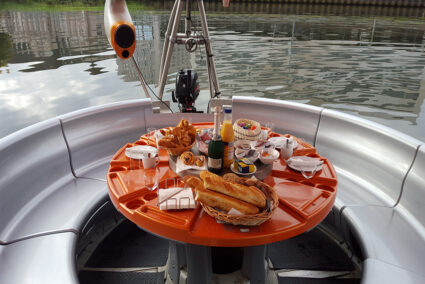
<point>64,5</point>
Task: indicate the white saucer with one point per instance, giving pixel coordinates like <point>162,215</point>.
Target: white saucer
<point>232,168</point>
<point>300,168</point>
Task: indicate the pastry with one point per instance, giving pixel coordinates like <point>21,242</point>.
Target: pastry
<point>182,135</point>
<point>188,158</point>
<point>249,194</point>
<point>200,161</point>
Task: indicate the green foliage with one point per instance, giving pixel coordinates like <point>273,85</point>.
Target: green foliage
<point>60,5</point>
<point>6,48</point>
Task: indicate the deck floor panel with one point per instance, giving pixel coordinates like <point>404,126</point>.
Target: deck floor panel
<point>312,250</point>
<point>108,277</point>
<point>302,280</point>
<point>129,246</point>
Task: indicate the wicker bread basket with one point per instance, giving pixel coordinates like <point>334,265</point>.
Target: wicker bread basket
<point>244,134</point>
<point>179,150</point>
<point>246,220</point>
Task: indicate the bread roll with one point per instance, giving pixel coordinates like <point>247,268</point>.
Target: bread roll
<point>224,202</point>
<point>249,194</point>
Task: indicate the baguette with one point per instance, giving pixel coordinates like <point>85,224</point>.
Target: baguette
<point>194,182</point>
<point>250,194</point>
<point>224,202</point>
<point>248,182</point>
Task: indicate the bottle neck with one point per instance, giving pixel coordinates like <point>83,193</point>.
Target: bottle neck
<point>227,117</point>
<point>216,126</point>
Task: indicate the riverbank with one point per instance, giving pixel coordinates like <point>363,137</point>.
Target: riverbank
<point>403,8</point>
<point>283,7</point>
<point>397,3</point>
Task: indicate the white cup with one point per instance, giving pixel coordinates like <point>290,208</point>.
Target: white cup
<point>287,150</point>
<point>150,160</point>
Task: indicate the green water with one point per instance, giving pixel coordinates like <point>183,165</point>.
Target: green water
<point>55,58</point>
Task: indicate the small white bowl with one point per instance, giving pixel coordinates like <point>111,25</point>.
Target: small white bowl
<point>272,156</point>
<point>239,153</point>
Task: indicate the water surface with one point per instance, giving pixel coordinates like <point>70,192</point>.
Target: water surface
<point>55,62</point>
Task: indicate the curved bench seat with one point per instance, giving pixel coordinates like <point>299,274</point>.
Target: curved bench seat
<point>377,157</point>
<point>396,236</point>
<point>297,119</point>
<point>62,209</point>
<point>39,167</point>
<point>45,259</point>
<point>51,182</point>
<point>94,134</point>
<point>381,185</point>
<point>34,163</point>
<point>376,271</point>
<point>390,236</point>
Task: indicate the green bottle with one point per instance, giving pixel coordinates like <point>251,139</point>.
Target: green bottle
<point>216,147</point>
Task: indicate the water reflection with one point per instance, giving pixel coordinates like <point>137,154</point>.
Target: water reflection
<point>369,66</point>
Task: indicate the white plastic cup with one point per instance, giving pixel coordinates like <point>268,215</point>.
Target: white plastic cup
<point>287,150</point>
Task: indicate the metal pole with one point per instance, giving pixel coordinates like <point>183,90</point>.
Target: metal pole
<point>188,21</point>
<point>167,39</point>
<point>142,80</point>
<point>210,80</point>
<point>175,27</point>
<point>208,48</point>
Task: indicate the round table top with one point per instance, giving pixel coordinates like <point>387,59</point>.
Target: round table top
<point>303,203</point>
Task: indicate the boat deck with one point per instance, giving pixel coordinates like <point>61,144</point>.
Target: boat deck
<point>55,207</point>
<point>130,255</point>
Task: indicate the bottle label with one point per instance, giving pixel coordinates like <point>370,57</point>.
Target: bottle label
<point>214,163</point>
<point>230,144</point>
<point>229,152</point>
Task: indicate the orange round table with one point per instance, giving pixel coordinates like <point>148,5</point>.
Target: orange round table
<point>303,203</point>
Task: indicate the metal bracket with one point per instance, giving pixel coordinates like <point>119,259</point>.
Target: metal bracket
<point>172,37</point>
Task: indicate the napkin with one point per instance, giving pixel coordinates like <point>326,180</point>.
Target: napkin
<point>138,152</point>
<point>175,198</point>
<point>181,167</point>
<point>305,162</point>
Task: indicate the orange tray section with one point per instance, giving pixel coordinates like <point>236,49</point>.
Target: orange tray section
<point>302,204</point>
<point>325,177</point>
